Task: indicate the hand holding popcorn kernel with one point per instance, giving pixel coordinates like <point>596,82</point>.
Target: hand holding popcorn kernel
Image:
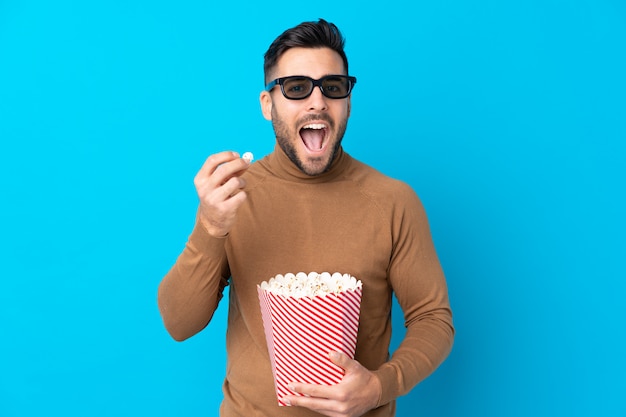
<point>220,189</point>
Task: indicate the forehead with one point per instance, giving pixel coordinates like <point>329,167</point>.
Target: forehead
<point>313,62</point>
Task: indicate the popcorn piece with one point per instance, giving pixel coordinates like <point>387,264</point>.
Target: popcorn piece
<point>248,157</point>
<point>310,285</point>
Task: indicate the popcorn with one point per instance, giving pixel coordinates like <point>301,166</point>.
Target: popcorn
<point>248,157</point>
<point>305,317</point>
<point>310,285</point>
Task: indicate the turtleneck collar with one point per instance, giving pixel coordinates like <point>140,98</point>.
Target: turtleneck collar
<point>280,165</point>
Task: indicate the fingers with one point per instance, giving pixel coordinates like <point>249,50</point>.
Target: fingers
<point>358,392</point>
<point>314,397</point>
<point>215,160</point>
<point>327,391</point>
<point>220,167</point>
<point>228,189</point>
<point>342,360</point>
<point>219,187</point>
<point>313,390</point>
<point>218,179</point>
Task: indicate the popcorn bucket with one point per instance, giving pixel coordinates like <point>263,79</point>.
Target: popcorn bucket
<point>301,331</point>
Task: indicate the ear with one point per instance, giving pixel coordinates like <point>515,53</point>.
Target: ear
<point>349,105</point>
<point>266,104</point>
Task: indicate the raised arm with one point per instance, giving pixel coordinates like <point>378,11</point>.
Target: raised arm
<point>188,295</point>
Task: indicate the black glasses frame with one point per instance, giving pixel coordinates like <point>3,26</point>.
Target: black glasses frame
<point>314,83</point>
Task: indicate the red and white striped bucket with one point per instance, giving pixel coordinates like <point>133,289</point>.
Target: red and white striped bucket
<point>301,331</point>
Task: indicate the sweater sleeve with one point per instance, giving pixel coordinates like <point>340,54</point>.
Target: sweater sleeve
<point>190,292</point>
<point>420,287</point>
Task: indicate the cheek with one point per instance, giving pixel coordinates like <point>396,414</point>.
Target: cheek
<point>341,110</point>
<point>347,107</point>
<point>286,114</point>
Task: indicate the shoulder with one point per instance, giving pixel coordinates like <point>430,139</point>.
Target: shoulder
<point>377,184</point>
<point>397,202</point>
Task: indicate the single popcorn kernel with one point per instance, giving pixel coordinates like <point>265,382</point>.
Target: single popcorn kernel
<point>248,157</point>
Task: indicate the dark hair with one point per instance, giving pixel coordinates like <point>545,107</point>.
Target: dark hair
<point>306,35</point>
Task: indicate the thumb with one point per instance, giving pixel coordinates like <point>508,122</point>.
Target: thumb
<point>342,360</point>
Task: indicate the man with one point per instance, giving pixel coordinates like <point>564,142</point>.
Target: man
<point>309,206</point>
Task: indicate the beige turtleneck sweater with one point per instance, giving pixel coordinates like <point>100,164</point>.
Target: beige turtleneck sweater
<point>351,219</point>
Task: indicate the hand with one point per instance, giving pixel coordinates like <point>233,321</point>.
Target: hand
<point>356,394</point>
<point>220,190</point>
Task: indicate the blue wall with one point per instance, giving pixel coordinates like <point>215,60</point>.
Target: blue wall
<point>508,118</point>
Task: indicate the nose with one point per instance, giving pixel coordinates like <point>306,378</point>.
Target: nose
<point>317,100</point>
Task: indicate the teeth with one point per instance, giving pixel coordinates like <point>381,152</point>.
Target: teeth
<point>314,126</point>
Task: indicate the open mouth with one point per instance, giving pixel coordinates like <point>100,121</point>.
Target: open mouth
<point>314,136</point>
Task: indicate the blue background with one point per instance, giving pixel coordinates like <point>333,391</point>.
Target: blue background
<point>508,119</point>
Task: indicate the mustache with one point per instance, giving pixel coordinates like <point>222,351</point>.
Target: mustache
<point>316,117</point>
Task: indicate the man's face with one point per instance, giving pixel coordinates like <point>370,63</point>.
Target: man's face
<point>309,131</point>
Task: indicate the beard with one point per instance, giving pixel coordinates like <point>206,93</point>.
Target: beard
<point>316,166</point>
